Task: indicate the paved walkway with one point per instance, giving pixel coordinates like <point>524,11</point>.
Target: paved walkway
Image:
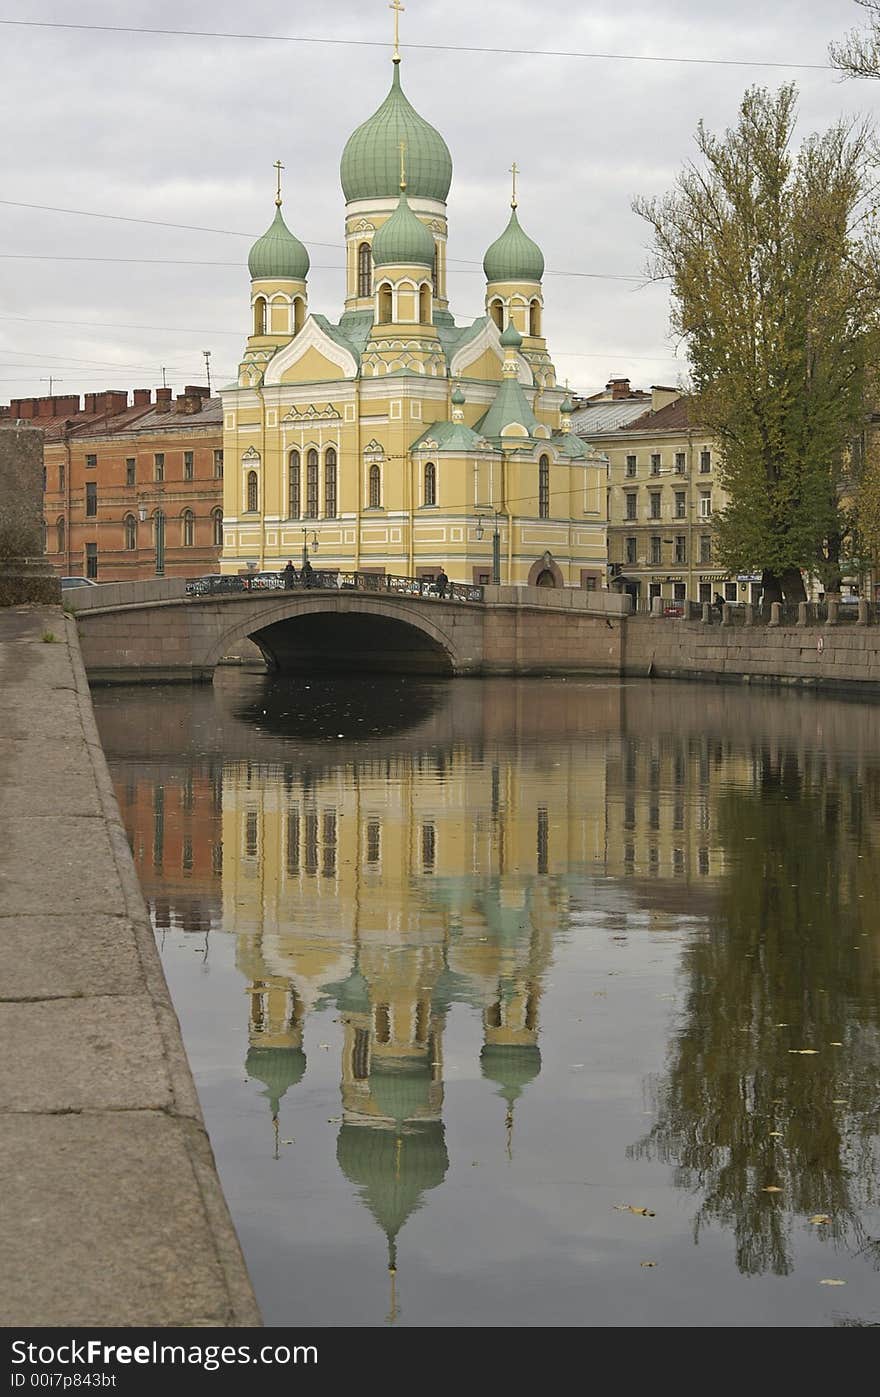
<point>112,1211</point>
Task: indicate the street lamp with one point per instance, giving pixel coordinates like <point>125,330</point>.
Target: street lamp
<point>160,532</point>
<point>496,546</point>
<point>306,532</point>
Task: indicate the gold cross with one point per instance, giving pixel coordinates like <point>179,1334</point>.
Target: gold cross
<point>279,167</point>
<point>397,8</point>
<point>514,170</point>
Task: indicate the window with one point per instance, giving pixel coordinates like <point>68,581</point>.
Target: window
<point>328,844</point>
<point>679,462</point>
<point>543,839</point>
<point>130,528</point>
<point>374,841</point>
<point>260,315</point>
<point>630,550</point>
<point>430,483</point>
<point>312,484</point>
<point>631,506</point>
<point>679,591</point>
<point>425,305</point>
<point>92,560</point>
<point>496,310</point>
<point>655,504</point>
<point>730,591</point>
<point>365,270</point>
<point>385,305</point>
<point>217,527</point>
<point>655,463</point>
<point>429,847</point>
<point>681,548</point>
<point>218,465</point>
<point>253,493</point>
<point>189,526</point>
<point>294,486</point>
<point>375,487</point>
<point>705,548</point>
<point>330,483</point>
<point>293,843</point>
<point>45,480</point>
<point>62,476</point>
<point>654,590</point>
<point>91,499</point>
<point>680,504</point>
<point>435,270</point>
<point>188,465</point>
<point>159,466</point>
<point>705,504</point>
<point>630,467</point>
<point>705,462</point>
<point>130,471</point>
<point>535,319</point>
<point>60,535</point>
<point>655,549</point>
<point>91,462</point>
<point>544,487</point>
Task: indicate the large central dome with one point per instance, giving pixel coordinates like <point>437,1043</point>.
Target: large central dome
<point>370,167</point>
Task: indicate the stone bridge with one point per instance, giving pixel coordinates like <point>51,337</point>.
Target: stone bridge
<point>154,631</point>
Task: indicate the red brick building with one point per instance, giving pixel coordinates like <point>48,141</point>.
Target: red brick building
<point>132,489</point>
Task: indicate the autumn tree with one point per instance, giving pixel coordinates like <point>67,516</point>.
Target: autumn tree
<point>859,54</point>
<point>777,310</point>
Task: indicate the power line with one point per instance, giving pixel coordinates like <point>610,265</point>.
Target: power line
<point>439,48</point>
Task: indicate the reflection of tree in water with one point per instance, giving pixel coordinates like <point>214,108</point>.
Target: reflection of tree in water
<point>794,944</point>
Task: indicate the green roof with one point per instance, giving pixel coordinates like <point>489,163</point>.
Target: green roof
<point>514,256</point>
<point>370,167</point>
<point>510,406</point>
<point>401,1089</point>
<point>510,337</point>
<point>511,1065</point>
<point>277,1069</point>
<point>278,253</point>
<point>450,436</point>
<point>391,1172</point>
<point>570,445</point>
<point>403,239</point>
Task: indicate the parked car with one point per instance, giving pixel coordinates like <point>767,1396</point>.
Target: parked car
<point>68,582</point>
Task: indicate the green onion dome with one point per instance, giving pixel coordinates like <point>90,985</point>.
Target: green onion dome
<point>277,1069</point>
<point>511,1066</point>
<point>370,167</point>
<point>511,337</point>
<point>513,256</point>
<point>278,254</point>
<point>403,239</point>
<point>457,396</point>
<point>567,407</point>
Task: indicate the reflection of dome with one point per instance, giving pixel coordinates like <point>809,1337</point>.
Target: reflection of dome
<point>401,1090</point>
<point>511,1065</point>
<point>392,1171</point>
<point>277,1069</point>
<point>351,996</point>
<point>370,166</point>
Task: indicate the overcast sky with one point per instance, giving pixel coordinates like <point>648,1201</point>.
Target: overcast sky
<point>185,130</point>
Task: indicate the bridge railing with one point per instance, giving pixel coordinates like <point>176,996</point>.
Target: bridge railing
<point>324,579</point>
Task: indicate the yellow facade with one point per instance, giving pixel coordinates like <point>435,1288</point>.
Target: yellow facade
<point>351,430</point>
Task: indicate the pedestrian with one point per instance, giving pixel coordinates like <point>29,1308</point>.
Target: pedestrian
<point>719,603</point>
<point>289,575</point>
<point>442,583</point>
<point>306,574</point>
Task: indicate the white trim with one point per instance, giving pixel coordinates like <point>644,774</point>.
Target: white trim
<point>488,338</point>
<point>311,336</point>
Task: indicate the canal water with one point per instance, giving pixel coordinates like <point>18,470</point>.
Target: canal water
<point>535,1002</point>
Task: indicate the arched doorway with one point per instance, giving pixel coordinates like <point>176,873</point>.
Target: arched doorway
<point>545,578</point>
<point>546,572</point>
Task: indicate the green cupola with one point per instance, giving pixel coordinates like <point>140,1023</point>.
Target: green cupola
<point>404,239</point>
<point>514,256</point>
<point>510,337</point>
<point>278,254</point>
<point>370,167</point>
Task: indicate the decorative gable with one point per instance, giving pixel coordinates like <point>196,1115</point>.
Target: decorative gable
<point>310,355</point>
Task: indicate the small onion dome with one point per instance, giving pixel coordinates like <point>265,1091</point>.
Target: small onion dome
<point>404,239</point>
<point>511,1066</point>
<point>511,337</point>
<point>457,397</point>
<point>513,256</point>
<point>370,167</point>
<point>278,254</point>
<point>567,407</point>
<point>277,1069</point>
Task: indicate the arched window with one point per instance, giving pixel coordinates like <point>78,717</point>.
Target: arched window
<point>435,271</point>
<point>535,318</point>
<point>330,482</point>
<point>430,483</point>
<point>385,307</point>
<point>44,536</point>
<point>189,528</point>
<point>312,484</point>
<point>217,527</point>
<point>496,310</point>
<point>365,270</point>
<point>253,493</point>
<point>299,314</point>
<point>60,534</point>
<point>260,315</point>
<point>424,305</point>
<point>375,487</point>
<point>544,487</point>
<point>294,486</point>
<point>130,524</point>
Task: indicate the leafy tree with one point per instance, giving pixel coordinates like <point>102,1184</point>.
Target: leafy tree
<point>775,298</point>
<point>859,54</point>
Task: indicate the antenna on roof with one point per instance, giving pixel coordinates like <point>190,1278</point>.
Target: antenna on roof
<point>207,356</point>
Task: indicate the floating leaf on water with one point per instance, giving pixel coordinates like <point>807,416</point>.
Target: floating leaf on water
<point>776,1134</point>
<point>333,1120</point>
<point>835,1045</point>
<point>838,1101</point>
<point>288,1142</point>
<point>647,1263</point>
<point>771,1188</point>
<point>628,1208</point>
<point>782,1025</point>
<point>324,1045</point>
<point>832,1282</point>
<point>804,1052</point>
<point>819,1219</point>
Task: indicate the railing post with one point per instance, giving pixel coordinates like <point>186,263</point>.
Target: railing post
<point>749,614</point>
<point>833,604</point>
<point>775,614</point>
<point>864,615</point>
<point>656,606</point>
<point>707,613</point>
<point>803,613</point>
<point>727,614</point>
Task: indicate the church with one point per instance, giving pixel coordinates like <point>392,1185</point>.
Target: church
<point>393,441</point>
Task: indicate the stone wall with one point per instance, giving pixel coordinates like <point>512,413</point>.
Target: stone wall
<point>25,576</point>
<point>817,656</point>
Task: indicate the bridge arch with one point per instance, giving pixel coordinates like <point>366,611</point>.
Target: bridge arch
<point>304,632</point>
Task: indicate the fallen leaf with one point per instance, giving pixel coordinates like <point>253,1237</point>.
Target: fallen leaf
<point>628,1208</point>
<point>804,1052</point>
<point>333,1120</point>
<point>831,1282</point>
<point>818,1219</point>
<point>782,1025</point>
<point>838,1101</point>
<point>835,1045</point>
<point>776,1134</point>
<point>324,1045</point>
<point>771,1188</point>
<point>647,1263</point>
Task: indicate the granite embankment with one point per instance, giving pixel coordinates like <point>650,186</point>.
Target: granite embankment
<point>112,1212</point>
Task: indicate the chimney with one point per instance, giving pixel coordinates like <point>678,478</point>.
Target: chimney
<point>163,399</point>
<point>112,401</point>
<point>618,388</point>
<point>662,397</point>
<point>69,403</point>
<point>141,397</point>
<point>199,389</point>
<point>5,412</point>
<point>189,402</point>
<point>90,402</point>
